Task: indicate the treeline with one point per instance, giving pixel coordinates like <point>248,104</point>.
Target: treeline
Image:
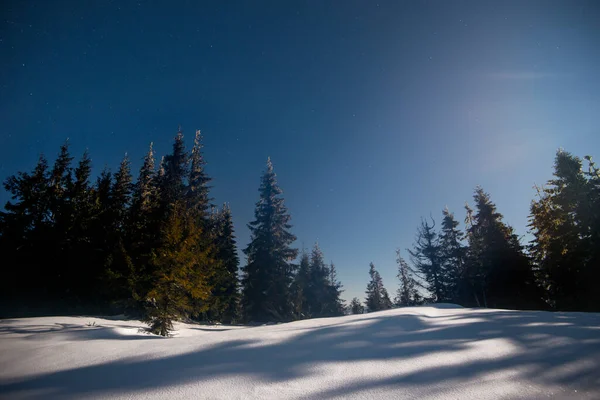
<point>485,264</point>
<point>155,248</point>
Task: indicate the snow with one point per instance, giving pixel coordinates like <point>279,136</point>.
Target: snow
<point>441,352</point>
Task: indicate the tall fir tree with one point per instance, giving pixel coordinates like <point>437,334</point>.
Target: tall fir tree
<point>565,224</point>
<point>172,176</point>
<point>24,229</point>
<point>496,261</point>
<point>408,294</point>
<point>119,264</point>
<point>425,256</point>
<point>269,270</point>
<point>180,272</point>
<point>335,304</point>
<point>224,302</point>
<point>143,231</point>
<point>318,286</point>
<point>452,256</point>
<point>182,263</point>
<point>198,190</point>
<point>300,288</point>
<point>61,179</point>
<point>79,234</point>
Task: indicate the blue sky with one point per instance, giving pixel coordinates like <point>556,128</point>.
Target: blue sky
<point>374,113</point>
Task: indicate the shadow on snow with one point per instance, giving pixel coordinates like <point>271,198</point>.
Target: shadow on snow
<point>545,342</point>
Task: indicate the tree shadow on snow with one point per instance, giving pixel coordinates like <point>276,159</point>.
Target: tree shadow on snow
<point>76,332</point>
<point>545,342</point>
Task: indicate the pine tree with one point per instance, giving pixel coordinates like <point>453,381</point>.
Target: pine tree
<point>24,229</point>
<point>386,301</point>
<point>179,272</point>
<point>81,191</point>
<point>356,307</point>
<point>143,231</point>
<point>407,294</point>
<point>182,264</point>
<point>317,291</point>
<point>144,190</point>
<point>121,195</point>
<point>223,304</point>
<point>198,189</point>
<point>377,297</point>
<point>452,255</point>
<point>300,288</point>
<point>496,261</point>
<point>426,259</point>
<point>269,271</point>
<point>335,305</point>
<point>172,176</point>
<point>61,179</point>
<point>564,222</point>
<point>79,234</point>
<point>119,266</point>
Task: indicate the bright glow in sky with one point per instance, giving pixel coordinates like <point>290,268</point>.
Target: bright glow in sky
<point>374,114</point>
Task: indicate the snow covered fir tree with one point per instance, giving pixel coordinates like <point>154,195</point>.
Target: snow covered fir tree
<point>156,248</point>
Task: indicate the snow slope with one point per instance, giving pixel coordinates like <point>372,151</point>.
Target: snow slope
<point>409,353</point>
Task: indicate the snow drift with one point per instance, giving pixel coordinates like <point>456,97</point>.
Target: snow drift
<point>420,352</point>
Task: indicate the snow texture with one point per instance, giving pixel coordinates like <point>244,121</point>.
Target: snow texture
<point>441,352</point>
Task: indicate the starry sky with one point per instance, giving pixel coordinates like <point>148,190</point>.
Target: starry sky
<point>374,113</point>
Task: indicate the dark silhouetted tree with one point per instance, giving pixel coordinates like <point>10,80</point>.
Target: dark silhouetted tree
<point>356,306</point>
<point>496,262</point>
<point>269,271</point>
<point>425,256</point>
<point>564,221</point>
<point>377,297</point>
<point>407,294</point>
<point>452,257</point>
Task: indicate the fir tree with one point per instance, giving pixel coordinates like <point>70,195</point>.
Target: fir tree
<point>61,179</point>
<point>564,222</point>
<point>79,233</point>
<point>335,305</point>
<point>426,259</point>
<point>356,307</point>
<point>386,301</point>
<point>179,272</point>
<point>377,297</point>
<point>143,229</point>
<point>300,288</point>
<point>121,195</point>
<point>24,229</point>
<point>496,261</point>
<point>223,304</point>
<point>269,271</point>
<point>452,254</point>
<point>198,189</point>
<point>118,264</point>
<point>172,176</point>
<point>183,251</point>
<point>144,190</point>
<point>318,287</point>
<point>407,294</point>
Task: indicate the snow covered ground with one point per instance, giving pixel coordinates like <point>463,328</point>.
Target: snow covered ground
<point>438,352</point>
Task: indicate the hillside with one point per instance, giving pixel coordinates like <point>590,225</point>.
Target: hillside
<point>437,352</point>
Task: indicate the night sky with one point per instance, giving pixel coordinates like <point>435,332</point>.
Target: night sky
<point>374,114</point>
